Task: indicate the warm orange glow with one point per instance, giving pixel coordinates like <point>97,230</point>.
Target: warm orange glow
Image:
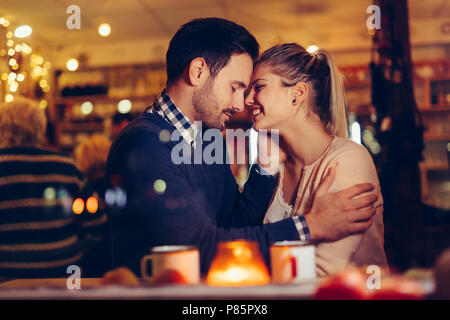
<point>238,263</point>
<point>92,205</point>
<point>78,206</point>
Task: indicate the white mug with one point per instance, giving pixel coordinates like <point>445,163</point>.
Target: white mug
<point>183,259</point>
<point>292,261</point>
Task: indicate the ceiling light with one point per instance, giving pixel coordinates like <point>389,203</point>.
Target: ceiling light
<point>104,29</point>
<point>23,31</point>
<point>72,64</point>
<point>312,48</point>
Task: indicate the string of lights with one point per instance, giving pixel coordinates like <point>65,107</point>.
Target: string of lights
<point>22,71</point>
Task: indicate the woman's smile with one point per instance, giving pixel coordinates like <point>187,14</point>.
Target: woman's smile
<point>257,113</point>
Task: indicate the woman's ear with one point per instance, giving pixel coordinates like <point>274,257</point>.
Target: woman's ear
<point>198,72</point>
<point>299,93</point>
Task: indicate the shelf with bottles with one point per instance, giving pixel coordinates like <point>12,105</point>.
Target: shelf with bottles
<point>432,94</point>
<point>436,121</point>
<point>434,109</point>
<point>85,100</point>
<point>104,87</point>
<point>91,126</point>
<point>356,77</point>
<point>434,171</point>
<point>435,187</point>
<point>70,134</point>
<point>140,80</point>
<point>436,137</point>
<point>432,84</point>
<point>440,90</point>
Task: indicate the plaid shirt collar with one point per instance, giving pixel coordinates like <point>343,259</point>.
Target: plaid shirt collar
<point>165,107</point>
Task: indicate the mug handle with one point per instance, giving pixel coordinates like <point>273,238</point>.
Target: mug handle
<point>294,267</point>
<point>144,261</point>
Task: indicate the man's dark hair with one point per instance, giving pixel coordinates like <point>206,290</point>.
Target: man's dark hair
<point>212,39</point>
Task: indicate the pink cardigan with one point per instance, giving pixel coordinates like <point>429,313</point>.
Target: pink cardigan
<point>353,165</point>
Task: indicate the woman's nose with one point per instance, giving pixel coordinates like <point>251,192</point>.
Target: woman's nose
<point>249,99</point>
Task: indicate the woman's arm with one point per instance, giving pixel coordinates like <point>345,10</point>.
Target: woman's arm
<point>353,165</point>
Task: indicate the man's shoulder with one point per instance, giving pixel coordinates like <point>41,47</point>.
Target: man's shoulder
<point>148,128</point>
<point>146,137</point>
<point>150,123</point>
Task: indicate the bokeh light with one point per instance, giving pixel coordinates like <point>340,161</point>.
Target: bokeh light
<point>312,48</point>
<point>86,107</point>
<point>49,193</point>
<point>92,205</point>
<point>124,106</point>
<point>23,31</point>
<point>72,64</point>
<point>159,186</point>
<point>104,29</point>
<point>164,135</point>
<point>78,206</point>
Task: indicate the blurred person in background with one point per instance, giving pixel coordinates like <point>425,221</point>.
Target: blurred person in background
<point>120,121</point>
<point>50,142</point>
<point>91,157</point>
<point>49,214</point>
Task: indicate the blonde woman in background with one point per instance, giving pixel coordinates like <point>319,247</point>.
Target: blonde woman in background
<point>91,157</point>
<point>302,95</point>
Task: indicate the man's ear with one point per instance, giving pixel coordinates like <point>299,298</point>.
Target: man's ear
<point>299,93</point>
<point>198,72</point>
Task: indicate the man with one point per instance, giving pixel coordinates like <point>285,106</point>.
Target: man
<point>209,65</point>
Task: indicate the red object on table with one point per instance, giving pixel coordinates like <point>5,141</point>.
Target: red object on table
<point>170,277</point>
<point>352,285</point>
<point>398,288</point>
<point>347,285</point>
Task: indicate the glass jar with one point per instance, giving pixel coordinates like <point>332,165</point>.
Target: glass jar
<point>238,263</point>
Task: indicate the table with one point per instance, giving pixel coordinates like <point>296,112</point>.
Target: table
<point>91,289</point>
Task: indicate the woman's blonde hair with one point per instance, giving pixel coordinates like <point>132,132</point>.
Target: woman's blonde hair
<point>91,156</point>
<point>22,123</point>
<point>294,64</point>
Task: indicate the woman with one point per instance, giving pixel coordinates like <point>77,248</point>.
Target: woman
<point>90,157</point>
<point>302,96</point>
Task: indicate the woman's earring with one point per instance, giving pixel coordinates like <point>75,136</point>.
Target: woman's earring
<point>294,101</point>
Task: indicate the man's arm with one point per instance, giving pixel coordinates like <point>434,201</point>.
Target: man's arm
<point>249,207</point>
<point>333,216</point>
<point>178,213</point>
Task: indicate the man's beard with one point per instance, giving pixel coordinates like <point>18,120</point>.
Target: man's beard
<point>205,105</point>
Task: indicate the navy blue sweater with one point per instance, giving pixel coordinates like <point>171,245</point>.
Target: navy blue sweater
<point>40,236</point>
<point>201,204</point>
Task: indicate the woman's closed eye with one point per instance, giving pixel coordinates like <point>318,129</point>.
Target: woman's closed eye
<point>258,87</point>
